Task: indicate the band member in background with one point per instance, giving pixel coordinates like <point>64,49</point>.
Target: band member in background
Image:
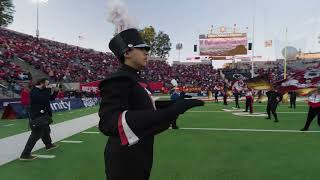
<point>225,96</point>
<point>259,96</point>
<point>225,93</point>
<point>293,99</point>
<point>216,93</point>
<point>314,109</point>
<point>175,96</point>
<point>249,101</point>
<point>274,98</point>
<point>236,93</point>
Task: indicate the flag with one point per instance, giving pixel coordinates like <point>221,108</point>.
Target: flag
<point>268,43</point>
<point>305,81</point>
<point>81,37</point>
<point>259,83</point>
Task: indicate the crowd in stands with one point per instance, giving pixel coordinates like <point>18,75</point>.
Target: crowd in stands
<point>60,61</point>
<point>186,75</point>
<point>11,72</point>
<point>201,75</point>
<point>68,63</point>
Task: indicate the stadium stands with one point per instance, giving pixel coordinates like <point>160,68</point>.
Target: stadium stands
<point>67,63</point>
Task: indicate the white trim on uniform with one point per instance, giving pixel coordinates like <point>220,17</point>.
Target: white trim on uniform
<point>131,137</point>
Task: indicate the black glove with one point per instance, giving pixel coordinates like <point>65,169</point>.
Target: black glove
<point>182,105</point>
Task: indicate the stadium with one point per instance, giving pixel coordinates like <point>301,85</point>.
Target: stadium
<point>249,117</point>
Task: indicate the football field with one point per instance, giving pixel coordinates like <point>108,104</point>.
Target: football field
<point>213,142</point>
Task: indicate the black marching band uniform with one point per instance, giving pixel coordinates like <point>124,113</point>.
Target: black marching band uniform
<point>293,99</point>
<point>236,97</point>
<point>225,94</point>
<point>39,105</point>
<point>314,109</point>
<point>249,101</point>
<point>273,100</point>
<point>216,93</point>
<point>182,95</point>
<point>130,116</point>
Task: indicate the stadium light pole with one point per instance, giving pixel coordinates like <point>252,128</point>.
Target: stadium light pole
<point>38,4</point>
<point>37,30</point>
<point>179,46</point>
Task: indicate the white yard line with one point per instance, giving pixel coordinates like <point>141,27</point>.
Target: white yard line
<point>264,105</point>
<point>249,130</point>
<point>88,132</point>
<point>238,111</point>
<point>249,114</point>
<point>72,142</point>
<point>44,156</point>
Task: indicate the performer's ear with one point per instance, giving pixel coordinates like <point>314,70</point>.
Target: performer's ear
<point>127,54</point>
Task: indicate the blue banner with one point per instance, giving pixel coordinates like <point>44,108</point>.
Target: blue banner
<point>69,104</point>
<point>5,102</point>
<point>17,111</point>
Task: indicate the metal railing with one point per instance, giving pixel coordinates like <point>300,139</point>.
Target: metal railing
<point>5,92</point>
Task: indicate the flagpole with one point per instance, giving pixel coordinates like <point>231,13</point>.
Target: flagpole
<point>253,26</point>
<point>285,56</point>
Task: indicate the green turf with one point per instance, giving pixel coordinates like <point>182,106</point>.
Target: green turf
<point>21,125</point>
<point>194,154</point>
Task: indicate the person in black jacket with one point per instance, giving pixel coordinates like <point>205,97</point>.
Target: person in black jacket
<point>293,99</point>
<point>175,97</point>
<point>128,113</point>
<point>249,101</point>
<point>40,96</point>
<point>216,93</point>
<point>236,98</point>
<point>273,100</point>
<point>225,93</point>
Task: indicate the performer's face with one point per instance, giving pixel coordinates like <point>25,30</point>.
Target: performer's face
<point>137,58</point>
<point>45,84</point>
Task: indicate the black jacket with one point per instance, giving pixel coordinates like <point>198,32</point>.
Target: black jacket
<point>130,118</point>
<point>274,97</point>
<point>293,95</point>
<point>40,102</point>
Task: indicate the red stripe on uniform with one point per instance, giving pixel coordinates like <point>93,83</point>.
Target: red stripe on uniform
<point>123,137</point>
<point>314,105</point>
<point>144,85</point>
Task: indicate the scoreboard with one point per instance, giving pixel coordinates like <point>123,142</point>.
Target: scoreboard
<point>223,44</point>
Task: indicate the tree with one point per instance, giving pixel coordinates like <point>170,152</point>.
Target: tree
<point>162,45</point>
<point>149,34</point>
<point>6,12</point>
<point>159,42</point>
